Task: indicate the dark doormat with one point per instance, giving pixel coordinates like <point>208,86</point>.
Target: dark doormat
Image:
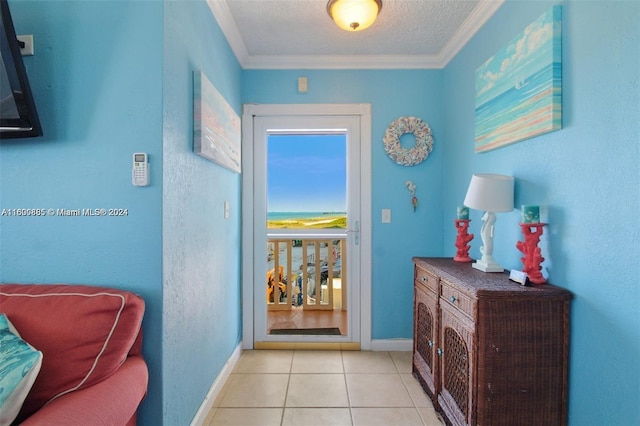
<point>333,331</point>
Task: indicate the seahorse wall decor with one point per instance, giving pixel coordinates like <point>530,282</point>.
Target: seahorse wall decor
<point>412,191</point>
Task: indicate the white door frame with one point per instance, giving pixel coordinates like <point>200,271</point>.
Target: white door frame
<point>249,112</point>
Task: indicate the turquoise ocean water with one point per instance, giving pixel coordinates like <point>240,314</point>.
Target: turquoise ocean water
<point>530,108</point>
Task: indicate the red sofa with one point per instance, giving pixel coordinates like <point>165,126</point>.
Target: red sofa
<point>93,372</point>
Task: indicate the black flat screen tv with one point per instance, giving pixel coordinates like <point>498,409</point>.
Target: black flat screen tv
<point>18,115</point>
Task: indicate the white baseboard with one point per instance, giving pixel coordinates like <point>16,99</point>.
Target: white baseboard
<point>392,345</point>
<point>216,387</point>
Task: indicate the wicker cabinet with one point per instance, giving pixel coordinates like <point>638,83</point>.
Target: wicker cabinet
<point>489,351</point>
<point>425,328</point>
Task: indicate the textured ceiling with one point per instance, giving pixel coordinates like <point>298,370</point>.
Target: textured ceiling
<point>300,33</point>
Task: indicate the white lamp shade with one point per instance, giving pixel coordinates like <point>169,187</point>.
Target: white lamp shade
<point>491,193</point>
<point>354,15</point>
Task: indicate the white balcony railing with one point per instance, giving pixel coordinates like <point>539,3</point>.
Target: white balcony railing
<point>311,273</point>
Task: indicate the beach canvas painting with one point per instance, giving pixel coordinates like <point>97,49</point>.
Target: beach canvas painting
<point>216,128</point>
<point>519,89</point>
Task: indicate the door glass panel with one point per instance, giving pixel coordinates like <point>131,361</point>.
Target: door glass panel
<point>306,200</point>
<point>306,181</point>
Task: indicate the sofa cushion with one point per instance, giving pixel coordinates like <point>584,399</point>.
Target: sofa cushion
<point>84,332</point>
<point>19,367</point>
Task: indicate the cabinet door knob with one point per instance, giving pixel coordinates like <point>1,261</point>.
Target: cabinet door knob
<point>440,351</point>
<point>453,299</point>
<point>430,343</point>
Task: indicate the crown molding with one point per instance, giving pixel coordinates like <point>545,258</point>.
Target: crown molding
<point>222,14</point>
<point>480,15</point>
<point>342,62</point>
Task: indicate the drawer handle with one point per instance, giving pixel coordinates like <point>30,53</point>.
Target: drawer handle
<point>424,279</point>
<point>453,299</point>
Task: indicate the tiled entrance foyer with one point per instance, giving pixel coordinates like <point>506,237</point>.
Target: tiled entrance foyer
<point>304,388</point>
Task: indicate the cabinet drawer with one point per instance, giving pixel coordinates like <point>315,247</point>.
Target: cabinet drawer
<point>458,299</point>
<point>426,279</point>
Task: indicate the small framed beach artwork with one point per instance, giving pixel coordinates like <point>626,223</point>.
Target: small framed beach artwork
<point>216,126</point>
<point>519,90</point>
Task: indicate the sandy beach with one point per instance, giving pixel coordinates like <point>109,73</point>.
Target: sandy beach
<point>309,223</point>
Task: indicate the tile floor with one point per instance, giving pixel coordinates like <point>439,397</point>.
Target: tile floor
<point>305,388</point>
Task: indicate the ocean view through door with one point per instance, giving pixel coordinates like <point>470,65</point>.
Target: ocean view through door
<point>306,229</point>
<point>306,192</point>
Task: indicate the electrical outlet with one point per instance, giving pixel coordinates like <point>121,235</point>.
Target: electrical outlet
<point>27,50</point>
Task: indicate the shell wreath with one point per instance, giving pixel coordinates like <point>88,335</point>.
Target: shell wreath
<point>408,156</point>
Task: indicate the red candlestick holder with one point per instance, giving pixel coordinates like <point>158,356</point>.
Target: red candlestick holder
<point>532,255</point>
<point>462,241</point>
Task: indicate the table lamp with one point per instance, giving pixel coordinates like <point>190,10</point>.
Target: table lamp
<point>490,193</point>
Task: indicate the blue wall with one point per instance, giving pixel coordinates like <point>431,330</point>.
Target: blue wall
<point>201,262</point>
<point>392,94</point>
<point>586,179</point>
<point>111,79</point>
<point>99,100</point>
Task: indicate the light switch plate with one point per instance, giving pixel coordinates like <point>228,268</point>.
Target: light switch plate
<point>303,85</point>
<point>27,50</point>
<point>386,215</point>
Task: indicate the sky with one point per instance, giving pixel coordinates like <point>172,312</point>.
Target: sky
<point>306,173</point>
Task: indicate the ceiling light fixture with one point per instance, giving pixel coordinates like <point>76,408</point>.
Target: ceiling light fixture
<point>354,15</point>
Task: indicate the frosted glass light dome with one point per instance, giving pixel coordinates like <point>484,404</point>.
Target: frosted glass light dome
<point>354,15</point>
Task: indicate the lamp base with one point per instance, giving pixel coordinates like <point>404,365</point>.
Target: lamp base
<point>487,266</point>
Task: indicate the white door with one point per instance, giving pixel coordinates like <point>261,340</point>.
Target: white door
<point>265,122</point>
